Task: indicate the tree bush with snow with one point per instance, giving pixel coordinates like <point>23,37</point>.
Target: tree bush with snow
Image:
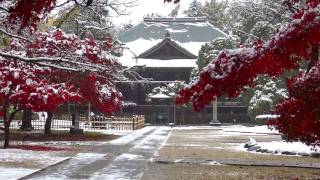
<point>214,10</point>
<point>233,70</point>
<point>265,97</point>
<point>170,89</point>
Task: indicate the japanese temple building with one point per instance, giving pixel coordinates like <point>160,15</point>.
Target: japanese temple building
<point>163,50</point>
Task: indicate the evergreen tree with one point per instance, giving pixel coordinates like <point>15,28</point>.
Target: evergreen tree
<point>195,9</point>
<point>210,51</point>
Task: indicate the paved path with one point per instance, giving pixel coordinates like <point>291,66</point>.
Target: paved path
<point>123,158</point>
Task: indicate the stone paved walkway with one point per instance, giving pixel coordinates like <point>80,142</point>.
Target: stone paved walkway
<point>123,158</point>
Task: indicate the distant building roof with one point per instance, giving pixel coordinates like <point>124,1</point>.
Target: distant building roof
<point>174,19</point>
<point>188,33</point>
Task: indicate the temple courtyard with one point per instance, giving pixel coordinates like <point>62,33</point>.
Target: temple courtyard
<point>162,152</point>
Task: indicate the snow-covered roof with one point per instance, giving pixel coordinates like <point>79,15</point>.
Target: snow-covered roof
<point>189,33</point>
<point>172,51</point>
<point>160,96</point>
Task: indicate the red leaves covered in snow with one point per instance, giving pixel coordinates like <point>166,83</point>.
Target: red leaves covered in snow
<point>29,12</point>
<point>232,70</point>
<point>89,57</point>
<point>24,86</point>
<point>300,113</point>
<point>102,96</point>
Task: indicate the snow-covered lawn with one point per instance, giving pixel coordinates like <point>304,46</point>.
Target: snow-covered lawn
<point>265,139</point>
<point>16,163</point>
<point>249,129</point>
<point>282,146</point>
<point>276,147</point>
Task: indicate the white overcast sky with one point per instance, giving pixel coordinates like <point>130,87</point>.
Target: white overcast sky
<point>151,6</point>
<point>144,7</point>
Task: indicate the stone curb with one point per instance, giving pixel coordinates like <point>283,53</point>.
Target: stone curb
<point>236,163</point>
<point>43,169</point>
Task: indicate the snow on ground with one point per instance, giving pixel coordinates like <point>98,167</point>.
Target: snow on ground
<point>14,173</point>
<point>128,157</point>
<point>19,158</point>
<point>195,127</point>
<point>240,130</point>
<point>86,158</point>
<point>130,165</point>
<point>247,129</point>
<point>296,147</point>
<point>149,143</point>
<point>114,132</point>
<point>75,164</point>
<point>132,136</point>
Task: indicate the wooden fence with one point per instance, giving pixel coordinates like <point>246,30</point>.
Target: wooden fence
<point>116,123</point>
<point>95,123</point>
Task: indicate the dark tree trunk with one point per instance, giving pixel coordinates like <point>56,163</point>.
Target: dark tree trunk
<point>6,134</point>
<point>7,121</point>
<point>6,125</point>
<point>47,126</point>
<point>26,120</point>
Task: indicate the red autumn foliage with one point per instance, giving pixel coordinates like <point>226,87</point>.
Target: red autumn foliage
<point>95,83</point>
<point>38,148</point>
<point>29,13</point>
<point>22,85</point>
<point>25,85</point>
<point>233,70</point>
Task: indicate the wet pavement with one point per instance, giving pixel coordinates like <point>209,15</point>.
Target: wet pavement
<point>123,158</point>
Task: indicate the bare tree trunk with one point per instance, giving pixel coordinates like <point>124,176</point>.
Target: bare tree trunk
<point>47,126</point>
<point>26,120</point>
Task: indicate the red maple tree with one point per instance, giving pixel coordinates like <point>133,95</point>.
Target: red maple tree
<point>49,60</point>
<point>22,87</point>
<point>233,70</point>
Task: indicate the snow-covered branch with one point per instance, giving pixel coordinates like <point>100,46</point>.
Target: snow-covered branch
<point>13,35</point>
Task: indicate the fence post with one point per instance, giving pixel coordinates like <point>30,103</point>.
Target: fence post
<point>133,122</point>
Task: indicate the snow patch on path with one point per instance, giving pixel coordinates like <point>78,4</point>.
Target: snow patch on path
<point>131,165</point>
<point>128,157</point>
<point>132,136</point>
<point>153,139</point>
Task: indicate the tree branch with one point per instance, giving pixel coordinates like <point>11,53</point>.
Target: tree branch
<point>14,36</point>
<point>42,60</point>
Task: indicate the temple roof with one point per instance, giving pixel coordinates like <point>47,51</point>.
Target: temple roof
<point>187,35</point>
<point>167,49</point>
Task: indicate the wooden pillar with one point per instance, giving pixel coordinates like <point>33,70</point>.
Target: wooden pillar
<point>174,113</point>
<point>89,111</point>
<point>214,111</point>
